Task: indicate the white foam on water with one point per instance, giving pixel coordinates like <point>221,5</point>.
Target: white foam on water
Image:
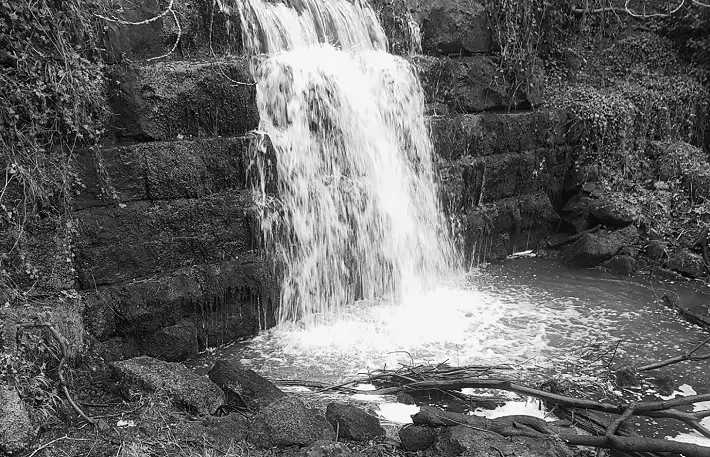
<point>530,407</point>
<point>398,413</point>
<point>455,323</point>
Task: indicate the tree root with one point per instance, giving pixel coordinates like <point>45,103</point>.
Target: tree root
<point>62,342</point>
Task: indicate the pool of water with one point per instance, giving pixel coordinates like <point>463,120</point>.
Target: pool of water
<point>529,313</point>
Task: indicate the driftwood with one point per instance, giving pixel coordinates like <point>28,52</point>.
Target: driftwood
<point>687,356</point>
<point>537,428</point>
<point>62,342</point>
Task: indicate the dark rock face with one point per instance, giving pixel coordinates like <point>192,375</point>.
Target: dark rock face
<point>469,85</point>
<point>458,27</point>
<point>461,440</point>
<point>594,248</point>
<point>243,386</point>
<point>287,422</point>
<point>191,99</point>
<point>16,430</point>
<point>687,263</point>
<point>353,423</point>
<point>417,438</point>
<point>477,135</point>
<point>187,390</point>
<point>509,225</point>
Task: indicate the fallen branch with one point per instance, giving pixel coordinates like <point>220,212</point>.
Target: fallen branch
<point>656,409</point>
<point>687,356</point>
<point>61,341</point>
<point>537,428</point>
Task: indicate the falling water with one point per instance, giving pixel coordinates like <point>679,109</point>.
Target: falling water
<point>359,216</point>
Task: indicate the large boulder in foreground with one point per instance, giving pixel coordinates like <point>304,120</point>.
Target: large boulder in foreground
<point>463,440</point>
<point>16,430</point>
<point>186,389</point>
<point>288,422</point>
<point>687,263</point>
<point>353,423</point>
<point>243,386</point>
<point>594,248</point>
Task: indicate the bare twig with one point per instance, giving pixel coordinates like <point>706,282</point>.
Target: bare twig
<point>688,356</point>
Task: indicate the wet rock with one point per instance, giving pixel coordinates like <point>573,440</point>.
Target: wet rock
<point>416,437</point>
<point>162,100</point>
<point>452,27</point>
<point>656,250</point>
<point>687,263</point>
<point>218,432</point>
<point>16,430</point>
<point>144,238</point>
<point>243,386</point>
<point>461,440</point>
<point>621,264</point>
<point>353,423</point>
<point>594,248</point>
<point>327,449</point>
<point>288,422</point>
<point>186,389</point>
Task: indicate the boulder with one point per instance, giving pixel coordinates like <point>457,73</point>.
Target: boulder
<point>218,432</point>
<point>288,422</point>
<point>575,213</point>
<point>594,248</point>
<point>687,263</point>
<point>621,264</point>
<point>656,250</point>
<point>612,212</point>
<point>186,389</point>
<point>452,27</point>
<point>417,437</point>
<point>243,386</point>
<point>16,430</point>
<point>327,449</point>
<point>462,440</point>
<point>353,423</point>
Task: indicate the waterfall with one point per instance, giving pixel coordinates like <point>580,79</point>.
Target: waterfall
<point>358,214</point>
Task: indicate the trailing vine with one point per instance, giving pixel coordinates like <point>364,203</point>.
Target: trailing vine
<point>51,104</point>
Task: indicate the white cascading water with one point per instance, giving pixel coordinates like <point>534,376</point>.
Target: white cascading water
<point>359,215</point>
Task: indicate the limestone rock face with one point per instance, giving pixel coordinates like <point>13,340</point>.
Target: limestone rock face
<point>452,27</point>
<point>353,423</point>
<point>288,422</point>
<point>186,389</point>
<point>16,429</point>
